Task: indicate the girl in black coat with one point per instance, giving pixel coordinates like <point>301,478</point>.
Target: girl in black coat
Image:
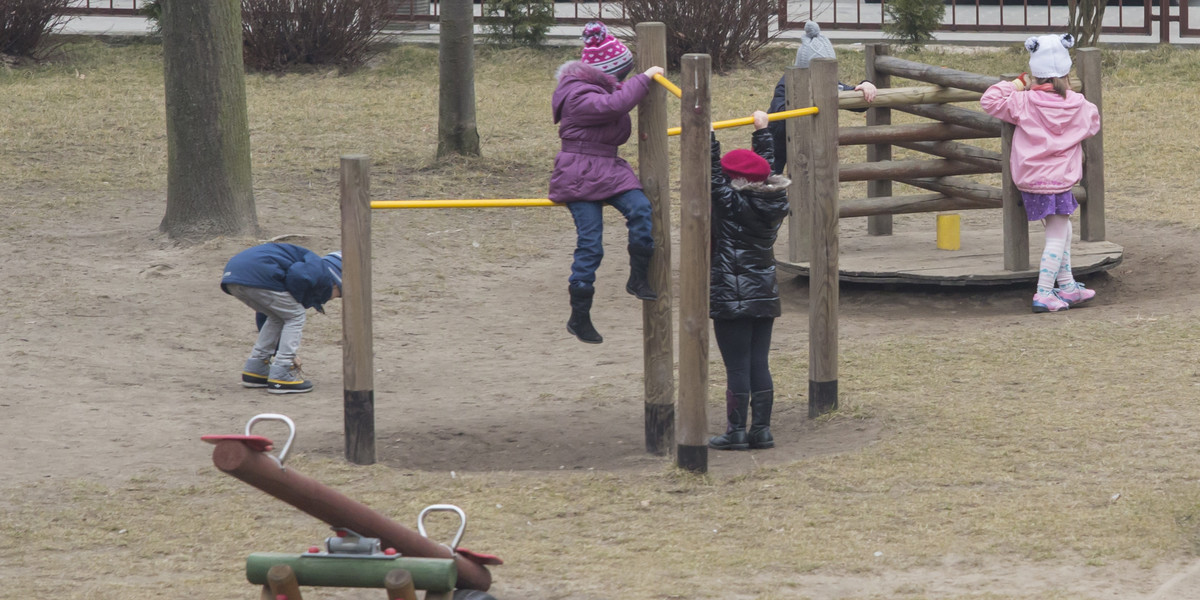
<point>748,206</point>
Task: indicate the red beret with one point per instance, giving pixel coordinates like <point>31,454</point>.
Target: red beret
<point>745,164</point>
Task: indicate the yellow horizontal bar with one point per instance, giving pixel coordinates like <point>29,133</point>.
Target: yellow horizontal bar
<point>787,114</point>
<point>468,203</point>
<point>671,87</point>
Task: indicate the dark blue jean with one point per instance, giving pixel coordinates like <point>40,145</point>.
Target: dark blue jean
<point>589,229</point>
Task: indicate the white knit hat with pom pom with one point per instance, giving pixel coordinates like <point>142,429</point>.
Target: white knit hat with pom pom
<point>1048,56</point>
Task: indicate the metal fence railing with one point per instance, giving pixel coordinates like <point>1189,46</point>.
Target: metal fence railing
<point>1121,17</point>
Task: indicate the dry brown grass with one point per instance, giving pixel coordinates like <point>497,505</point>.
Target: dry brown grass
<point>978,461</point>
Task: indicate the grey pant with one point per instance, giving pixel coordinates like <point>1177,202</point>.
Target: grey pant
<point>280,335</point>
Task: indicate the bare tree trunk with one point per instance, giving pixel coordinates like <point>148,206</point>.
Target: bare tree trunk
<point>209,191</point>
<point>457,133</point>
<point>1084,20</point>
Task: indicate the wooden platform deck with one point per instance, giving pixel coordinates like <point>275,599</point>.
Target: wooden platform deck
<point>913,258</point>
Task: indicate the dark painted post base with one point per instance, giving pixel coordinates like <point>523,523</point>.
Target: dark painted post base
<point>359,409</point>
<point>822,397</point>
<point>692,458</point>
<point>660,428</point>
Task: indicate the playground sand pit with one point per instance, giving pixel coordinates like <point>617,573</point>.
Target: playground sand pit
<point>980,450</point>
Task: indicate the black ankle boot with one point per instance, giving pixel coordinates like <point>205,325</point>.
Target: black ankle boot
<point>580,323</point>
<point>735,432</point>
<point>760,427</point>
<point>639,273</point>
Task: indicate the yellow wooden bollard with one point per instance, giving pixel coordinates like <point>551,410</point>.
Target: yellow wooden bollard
<point>948,232</point>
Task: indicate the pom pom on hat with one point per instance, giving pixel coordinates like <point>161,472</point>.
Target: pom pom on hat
<point>745,164</point>
<point>813,45</point>
<point>1048,56</point>
<point>603,51</point>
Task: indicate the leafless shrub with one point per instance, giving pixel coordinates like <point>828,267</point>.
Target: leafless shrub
<point>732,32</point>
<point>25,24</point>
<point>279,34</point>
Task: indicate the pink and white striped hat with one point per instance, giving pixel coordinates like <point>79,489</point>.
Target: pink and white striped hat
<point>603,51</point>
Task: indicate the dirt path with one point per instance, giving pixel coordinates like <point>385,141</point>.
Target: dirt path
<point>121,349</point>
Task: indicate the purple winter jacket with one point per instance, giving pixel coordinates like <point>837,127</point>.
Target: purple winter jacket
<point>592,112</point>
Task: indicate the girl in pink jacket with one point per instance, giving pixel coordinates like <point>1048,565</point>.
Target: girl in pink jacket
<point>1047,159</point>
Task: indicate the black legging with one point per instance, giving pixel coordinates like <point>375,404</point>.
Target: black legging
<point>744,346</point>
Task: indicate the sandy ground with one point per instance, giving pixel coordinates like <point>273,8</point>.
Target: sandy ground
<point>120,350</point>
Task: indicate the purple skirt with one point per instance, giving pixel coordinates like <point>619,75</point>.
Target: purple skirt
<point>1040,206</point>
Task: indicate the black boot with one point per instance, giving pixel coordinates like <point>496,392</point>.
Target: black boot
<point>639,273</point>
<point>735,432</point>
<point>760,428</point>
<point>580,323</point>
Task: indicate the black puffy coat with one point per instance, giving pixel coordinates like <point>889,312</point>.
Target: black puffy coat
<point>745,222</point>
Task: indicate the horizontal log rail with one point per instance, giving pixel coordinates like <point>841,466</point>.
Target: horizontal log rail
<point>903,96</point>
<point>942,76</point>
<point>965,188</point>
<point>958,151</point>
<point>909,132</point>
<point>917,203</point>
<point>959,187</point>
<point>907,169</point>
<point>955,115</point>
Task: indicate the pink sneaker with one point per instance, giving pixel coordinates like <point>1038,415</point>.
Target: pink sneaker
<point>1076,294</point>
<point>1043,302</point>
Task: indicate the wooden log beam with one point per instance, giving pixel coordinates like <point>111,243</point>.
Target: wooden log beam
<point>965,188</point>
<point>959,187</point>
<point>909,132</point>
<point>658,349</point>
<point>823,275</point>
<point>951,78</point>
<point>902,96</point>
<point>956,151</point>
<point>799,144</point>
<point>955,115</point>
<point>917,203</point>
<point>358,374</point>
<point>1014,224</point>
<point>907,169</point>
<point>878,188</point>
<point>695,198</point>
<point>1091,216</point>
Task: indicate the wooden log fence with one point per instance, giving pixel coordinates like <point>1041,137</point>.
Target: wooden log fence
<point>943,137</point>
<point>812,227</point>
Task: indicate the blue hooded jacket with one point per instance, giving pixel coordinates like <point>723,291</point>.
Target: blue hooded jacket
<point>285,268</point>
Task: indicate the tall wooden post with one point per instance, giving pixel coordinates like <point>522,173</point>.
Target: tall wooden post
<point>878,188</point>
<point>358,354</point>
<point>1091,216</point>
<point>694,246</point>
<point>657,338</point>
<point>1015,225</point>
<point>799,144</point>
<point>823,268</point>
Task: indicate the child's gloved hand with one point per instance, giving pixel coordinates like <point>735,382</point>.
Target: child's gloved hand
<point>652,71</point>
<point>761,119</point>
<point>1021,82</point>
